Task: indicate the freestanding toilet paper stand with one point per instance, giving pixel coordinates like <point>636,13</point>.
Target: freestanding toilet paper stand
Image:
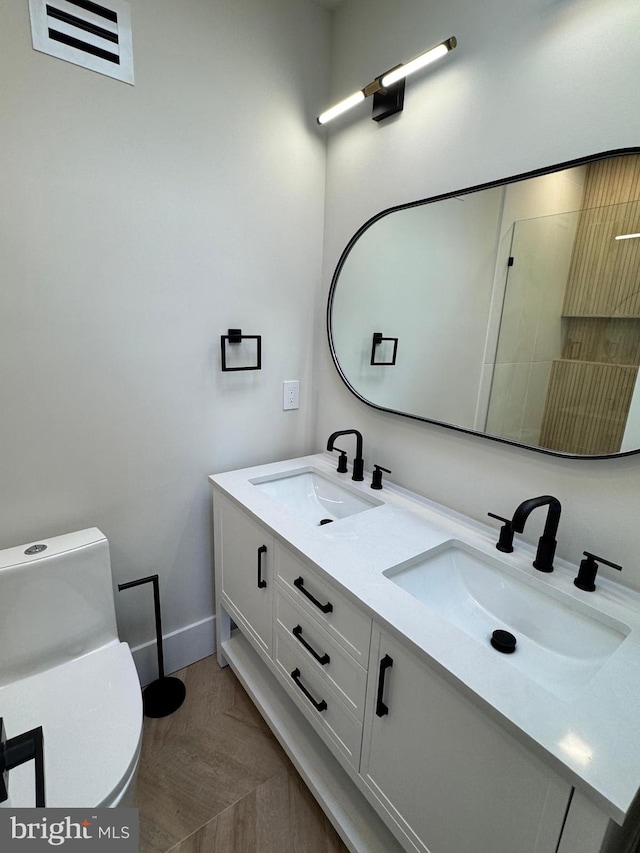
<point>164,695</point>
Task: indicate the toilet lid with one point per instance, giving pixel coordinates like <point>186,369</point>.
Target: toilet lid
<point>90,710</point>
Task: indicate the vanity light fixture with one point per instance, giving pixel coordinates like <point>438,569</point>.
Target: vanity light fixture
<point>388,88</point>
<point>341,107</point>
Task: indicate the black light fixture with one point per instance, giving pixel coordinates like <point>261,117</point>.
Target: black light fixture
<point>388,88</point>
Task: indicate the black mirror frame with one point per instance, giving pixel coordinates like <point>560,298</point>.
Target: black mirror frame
<point>581,161</point>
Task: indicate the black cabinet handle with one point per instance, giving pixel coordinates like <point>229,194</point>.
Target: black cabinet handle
<point>325,608</point>
<point>386,663</point>
<point>319,706</point>
<point>261,550</point>
<point>297,633</point>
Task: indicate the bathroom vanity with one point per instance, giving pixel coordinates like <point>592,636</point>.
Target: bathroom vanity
<point>360,623</point>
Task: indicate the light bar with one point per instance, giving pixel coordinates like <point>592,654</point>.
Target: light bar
<point>627,236</point>
<point>341,107</point>
<point>419,62</point>
<point>387,100</point>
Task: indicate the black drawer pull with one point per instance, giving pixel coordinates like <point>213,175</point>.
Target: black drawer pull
<point>325,608</point>
<point>297,633</point>
<point>381,709</point>
<point>319,706</point>
<point>261,550</point>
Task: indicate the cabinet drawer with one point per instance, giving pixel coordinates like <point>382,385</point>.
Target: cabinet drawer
<point>316,698</point>
<point>341,619</point>
<point>323,653</point>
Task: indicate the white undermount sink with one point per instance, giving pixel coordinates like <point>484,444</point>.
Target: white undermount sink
<point>560,643</point>
<point>314,497</point>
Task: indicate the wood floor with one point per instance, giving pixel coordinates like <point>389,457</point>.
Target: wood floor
<point>213,779</point>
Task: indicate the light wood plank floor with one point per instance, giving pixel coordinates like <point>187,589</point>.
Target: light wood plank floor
<point>213,778</point>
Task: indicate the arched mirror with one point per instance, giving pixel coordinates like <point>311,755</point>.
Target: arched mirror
<point>510,310</point>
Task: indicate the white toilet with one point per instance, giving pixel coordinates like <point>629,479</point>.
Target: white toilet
<point>63,667</point>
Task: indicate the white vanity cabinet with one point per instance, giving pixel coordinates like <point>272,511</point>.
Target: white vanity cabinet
<point>442,776</point>
<point>316,640</point>
<point>244,571</point>
<point>401,755</point>
<point>449,778</point>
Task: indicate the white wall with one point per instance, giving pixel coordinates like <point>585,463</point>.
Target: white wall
<point>137,224</point>
<point>410,274</point>
<point>532,83</point>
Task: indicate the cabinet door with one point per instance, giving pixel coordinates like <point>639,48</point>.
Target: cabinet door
<point>450,778</point>
<point>246,573</point>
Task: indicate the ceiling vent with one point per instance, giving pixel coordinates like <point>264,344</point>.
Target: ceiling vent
<point>94,35</point>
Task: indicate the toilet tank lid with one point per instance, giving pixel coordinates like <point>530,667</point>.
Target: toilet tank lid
<point>11,557</point>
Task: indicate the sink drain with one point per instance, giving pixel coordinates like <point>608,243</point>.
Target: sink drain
<point>325,521</point>
<point>503,641</point>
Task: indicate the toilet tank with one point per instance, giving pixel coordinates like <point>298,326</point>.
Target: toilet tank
<point>56,604</point>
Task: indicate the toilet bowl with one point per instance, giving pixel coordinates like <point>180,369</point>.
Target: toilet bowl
<point>63,667</point>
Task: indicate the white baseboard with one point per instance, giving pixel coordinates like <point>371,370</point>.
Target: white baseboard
<point>180,648</point>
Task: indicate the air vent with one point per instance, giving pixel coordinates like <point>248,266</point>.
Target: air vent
<point>93,35</point>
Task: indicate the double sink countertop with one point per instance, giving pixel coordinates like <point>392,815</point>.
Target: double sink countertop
<point>589,734</point>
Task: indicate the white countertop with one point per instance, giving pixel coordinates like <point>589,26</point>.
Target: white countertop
<point>591,738</point>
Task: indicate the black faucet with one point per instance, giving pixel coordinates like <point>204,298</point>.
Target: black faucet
<point>358,462</point>
<point>547,542</point>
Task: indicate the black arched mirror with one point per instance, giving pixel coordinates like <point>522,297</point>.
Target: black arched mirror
<point>509,310</point>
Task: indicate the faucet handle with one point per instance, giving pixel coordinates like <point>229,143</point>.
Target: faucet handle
<point>376,477</point>
<point>588,570</point>
<point>505,540</point>
<point>342,461</point>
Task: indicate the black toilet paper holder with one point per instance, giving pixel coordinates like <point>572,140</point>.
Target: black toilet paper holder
<point>167,693</point>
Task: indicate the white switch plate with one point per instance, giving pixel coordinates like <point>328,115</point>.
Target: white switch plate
<point>290,394</point>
